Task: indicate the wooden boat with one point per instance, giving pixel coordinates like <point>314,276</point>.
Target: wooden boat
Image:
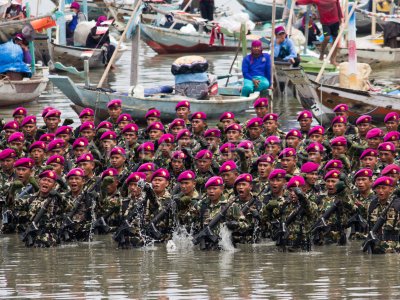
<point>74,56</point>
<point>321,98</point>
<point>138,106</point>
<point>15,92</point>
<point>167,41</point>
<point>261,10</point>
<point>370,50</point>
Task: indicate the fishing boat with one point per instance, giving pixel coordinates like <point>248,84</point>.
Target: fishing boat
<point>261,10</point>
<point>168,41</point>
<point>137,107</point>
<point>74,56</point>
<point>322,97</point>
<point>370,50</point>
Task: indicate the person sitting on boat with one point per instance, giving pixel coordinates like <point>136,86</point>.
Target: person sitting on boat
<point>97,38</point>
<point>14,58</point>
<point>256,69</point>
<point>15,11</point>
<point>76,19</point>
<point>285,50</point>
<point>313,30</point>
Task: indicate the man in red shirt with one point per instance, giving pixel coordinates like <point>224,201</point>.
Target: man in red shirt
<point>330,16</point>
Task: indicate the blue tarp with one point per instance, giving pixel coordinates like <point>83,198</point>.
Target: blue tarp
<point>12,59</point>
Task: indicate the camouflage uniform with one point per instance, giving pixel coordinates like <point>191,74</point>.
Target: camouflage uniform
<point>109,209</point>
<point>270,211</point>
<point>186,210</point>
<point>389,233</point>
<point>359,228</point>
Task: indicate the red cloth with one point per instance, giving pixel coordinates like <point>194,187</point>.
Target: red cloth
<point>329,10</point>
<point>216,34</point>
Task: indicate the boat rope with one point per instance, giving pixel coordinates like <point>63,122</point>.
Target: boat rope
<point>387,18</point>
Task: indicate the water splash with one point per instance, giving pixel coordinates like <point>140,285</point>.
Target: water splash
<point>93,215</point>
<point>225,243</point>
<point>181,240</point>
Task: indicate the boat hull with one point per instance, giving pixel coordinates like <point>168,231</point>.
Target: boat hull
<point>22,91</point>
<point>261,11</point>
<point>169,41</point>
<point>138,106</point>
<point>74,56</point>
<point>321,99</point>
<point>375,57</point>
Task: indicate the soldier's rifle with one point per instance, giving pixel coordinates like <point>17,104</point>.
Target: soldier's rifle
<point>28,236</point>
<point>372,237</point>
<point>206,232</point>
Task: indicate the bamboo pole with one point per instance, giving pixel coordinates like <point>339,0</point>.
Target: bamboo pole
<point>184,9</point>
<point>342,28</point>
<point>272,52</point>
<point>373,23</point>
<point>306,28</point>
<point>103,77</point>
<point>290,21</point>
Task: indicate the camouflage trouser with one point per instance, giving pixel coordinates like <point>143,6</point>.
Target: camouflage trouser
<point>45,239</point>
<point>78,232</point>
<point>383,247</point>
<point>131,238</point>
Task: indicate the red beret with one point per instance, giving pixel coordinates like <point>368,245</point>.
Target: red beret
<point>109,172</point>
<point>392,116</point>
<point>332,174</point>
<point>212,132</point>
<point>28,120</point>
<point>296,181</point>
<point>199,115</point>
<point>295,133</point>
<point>385,180</point>
<point>117,151</point>
<point>315,147</point>
<point>268,117</point>
<point>374,133</point>
<point>108,135</point>
<point>246,177</point>
<point>64,130</point>
<point>37,145</point>
<point>183,133</point>
<point>305,114</point>
<point>246,145</point>
<point>131,127</point>
<point>227,115</point>
<point>186,175</point>
<point>339,119</point>
<point>53,113</point>
<point>87,126</point>
<point>273,140</point>
<point>146,167</point>
<point>87,112</point>
<point>80,142</point>
<point>334,164</point>
<point>369,152</point>
<point>114,103</point>
<point>214,181</point>
<point>227,147</point>
<point>364,119</point>
<point>365,172</point>
<point>155,126</point>
<point>177,122</point>
<point>178,155</point>
<point>85,157</point>
<point>24,162</point>
<point>16,136</point>
<point>55,159</point>
<point>55,144</point>
<point>135,177</point>
<point>309,167</point>
<point>153,113</point>
<point>160,173</point>
<point>47,137</point>
<point>254,122</point>
<point>166,138</point>
<point>261,102</point>
<point>341,108</point>
<point>316,130</point>
<point>48,174</point>
<point>124,117</point>
<point>147,146</point>
<point>227,166</point>
<point>391,169</point>
<point>338,141</point>
<point>46,110</point>
<point>287,152</point>
<point>233,126</point>
<point>204,154</point>
<point>7,153</point>
<point>104,124</point>
<point>20,111</point>
<point>11,125</point>
<point>387,146</point>
<point>76,172</point>
<point>391,136</point>
<point>184,103</point>
<point>268,158</point>
<point>277,173</point>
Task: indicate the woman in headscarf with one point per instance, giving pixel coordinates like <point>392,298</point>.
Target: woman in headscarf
<point>76,19</point>
<point>256,69</point>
